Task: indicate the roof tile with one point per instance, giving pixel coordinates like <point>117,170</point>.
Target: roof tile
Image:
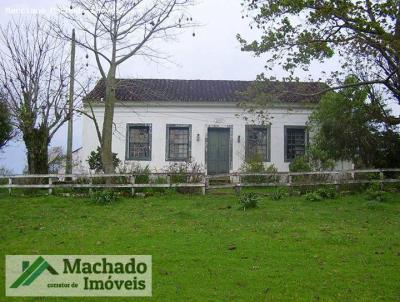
<point>161,90</point>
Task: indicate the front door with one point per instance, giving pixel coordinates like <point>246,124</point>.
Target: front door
<point>218,151</point>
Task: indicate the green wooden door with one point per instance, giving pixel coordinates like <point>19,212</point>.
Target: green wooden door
<point>218,151</point>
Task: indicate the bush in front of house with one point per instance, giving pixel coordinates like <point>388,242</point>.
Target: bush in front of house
<point>248,201</point>
<point>94,160</point>
<point>186,172</point>
<point>375,193</point>
<point>141,173</point>
<point>278,194</point>
<point>300,164</point>
<point>321,194</point>
<point>104,197</point>
<point>313,160</point>
<point>160,180</point>
<point>256,165</point>
<point>313,196</point>
<point>327,193</point>
<point>303,164</point>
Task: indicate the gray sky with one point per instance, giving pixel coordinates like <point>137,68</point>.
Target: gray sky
<point>213,54</point>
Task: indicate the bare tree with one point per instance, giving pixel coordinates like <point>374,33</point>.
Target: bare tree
<point>34,76</point>
<point>115,31</point>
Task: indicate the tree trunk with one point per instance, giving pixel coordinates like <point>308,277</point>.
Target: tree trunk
<point>109,103</point>
<point>36,142</point>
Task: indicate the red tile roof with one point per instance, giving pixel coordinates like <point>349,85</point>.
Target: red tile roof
<point>162,90</point>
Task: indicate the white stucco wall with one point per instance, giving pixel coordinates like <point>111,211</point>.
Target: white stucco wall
<point>200,116</point>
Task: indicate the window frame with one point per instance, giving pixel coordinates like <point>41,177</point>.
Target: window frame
<point>127,153</point>
<point>255,127</point>
<point>286,128</point>
<point>167,142</point>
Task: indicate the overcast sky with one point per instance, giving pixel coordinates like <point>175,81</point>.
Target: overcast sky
<point>213,54</point>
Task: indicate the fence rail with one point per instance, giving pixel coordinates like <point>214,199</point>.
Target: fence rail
<point>200,180</point>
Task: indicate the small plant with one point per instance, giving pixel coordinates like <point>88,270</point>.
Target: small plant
<point>321,194</point>
<point>374,193</point>
<point>278,194</point>
<point>327,193</point>
<point>313,196</point>
<point>248,201</point>
<point>104,197</point>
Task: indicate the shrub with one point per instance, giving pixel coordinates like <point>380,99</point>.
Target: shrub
<point>186,172</point>
<point>94,160</point>
<point>277,194</point>
<point>313,196</point>
<point>256,165</point>
<point>374,193</point>
<point>300,164</point>
<point>321,194</point>
<point>327,193</point>
<point>248,201</point>
<point>306,164</point>
<point>159,181</point>
<point>104,197</point>
<point>142,174</point>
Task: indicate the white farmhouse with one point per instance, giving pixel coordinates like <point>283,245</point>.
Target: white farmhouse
<point>159,122</point>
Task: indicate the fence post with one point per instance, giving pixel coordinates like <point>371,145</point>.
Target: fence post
<point>381,178</point>
<point>133,179</point>
<point>9,185</point>
<point>238,186</point>
<point>90,185</point>
<point>50,185</point>
<point>289,180</point>
<point>203,189</point>
<point>337,185</point>
<point>169,180</point>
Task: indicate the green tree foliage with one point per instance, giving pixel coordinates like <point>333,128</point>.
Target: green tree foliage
<point>345,128</point>
<point>6,129</point>
<point>364,34</point>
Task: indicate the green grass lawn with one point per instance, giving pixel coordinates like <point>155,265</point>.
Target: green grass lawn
<point>287,250</point>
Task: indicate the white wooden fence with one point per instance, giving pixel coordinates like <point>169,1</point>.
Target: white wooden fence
<point>77,181</point>
<point>301,179</point>
<point>202,181</point>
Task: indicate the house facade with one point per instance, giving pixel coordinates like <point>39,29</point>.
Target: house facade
<point>162,122</point>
